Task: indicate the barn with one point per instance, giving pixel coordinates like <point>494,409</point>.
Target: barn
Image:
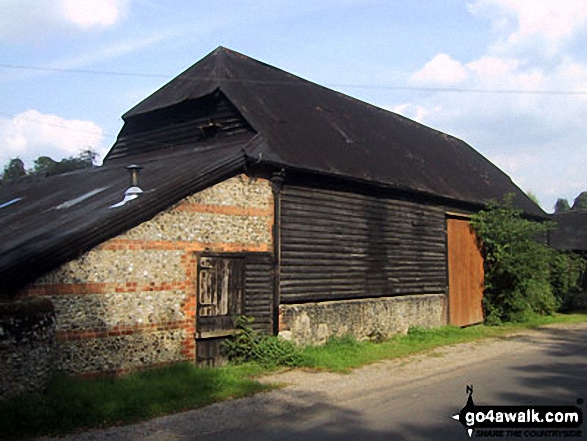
<point>570,233</point>
<point>241,189</point>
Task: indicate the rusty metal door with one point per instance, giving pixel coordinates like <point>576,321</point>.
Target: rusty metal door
<point>219,301</point>
<point>465,274</point>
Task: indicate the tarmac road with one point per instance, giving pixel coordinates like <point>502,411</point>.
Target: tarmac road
<point>411,399</point>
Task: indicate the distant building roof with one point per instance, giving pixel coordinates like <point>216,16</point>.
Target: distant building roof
<point>570,233</point>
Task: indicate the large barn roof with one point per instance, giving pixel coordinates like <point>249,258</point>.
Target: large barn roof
<point>226,114</point>
<point>309,127</point>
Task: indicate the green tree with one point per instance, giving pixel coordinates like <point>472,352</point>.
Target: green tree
<point>516,262</point>
<point>46,165</point>
<point>580,203</point>
<point>14,169</point>
<point>567,276</point>
<point>561,206</point>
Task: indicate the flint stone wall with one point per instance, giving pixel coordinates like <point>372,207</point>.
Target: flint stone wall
<point>130,302</point>
<point>315,323</point>
<point>122,353</point>
<point>115,266</point>
<point>111,310</point>
<point>27,340</point>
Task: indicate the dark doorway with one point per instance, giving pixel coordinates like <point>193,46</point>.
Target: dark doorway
<point>220,294</point>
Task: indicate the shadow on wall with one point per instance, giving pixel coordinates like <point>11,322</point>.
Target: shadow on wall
<point>27,343</point>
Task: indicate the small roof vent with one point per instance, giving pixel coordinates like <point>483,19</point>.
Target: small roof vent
<point>134,190</point>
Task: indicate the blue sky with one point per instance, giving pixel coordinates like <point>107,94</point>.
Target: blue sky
<point>507,76</point>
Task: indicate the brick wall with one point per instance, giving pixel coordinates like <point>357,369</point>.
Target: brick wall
<point>131,301</point>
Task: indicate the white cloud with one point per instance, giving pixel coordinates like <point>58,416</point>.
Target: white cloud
<point>417,113</point>
<point>530,22</point>
<point>492,66</point>
<point>34,20</point>
<point>88,13</point>
<point>442,69</point>
<point>538,139</point>
<point>31,134</point>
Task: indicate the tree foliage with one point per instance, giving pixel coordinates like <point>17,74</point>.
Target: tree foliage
<point>517,264</point>
<point>561,206</point>
<point>48,166</point>
<point>580,203</point>
<point>14,169</point>
<point>567,277</point>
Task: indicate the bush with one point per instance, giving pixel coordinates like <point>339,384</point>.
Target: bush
<point>566,277</point>
<point>517,264</point>
<point>249,345</point>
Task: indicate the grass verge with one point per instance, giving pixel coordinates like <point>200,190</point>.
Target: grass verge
<point>345,354</point>
<point>71,404</point>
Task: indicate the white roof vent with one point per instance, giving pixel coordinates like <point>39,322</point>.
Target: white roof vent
<point>134,190</point>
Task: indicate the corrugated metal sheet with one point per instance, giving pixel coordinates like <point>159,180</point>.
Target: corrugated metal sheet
<point>338,245</point>
<point>36,237</point>
<point>259,290</point>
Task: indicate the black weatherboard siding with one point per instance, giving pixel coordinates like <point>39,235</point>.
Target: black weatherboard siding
<point>259,290</point>
<point>339,245</point>
<point>183,124</point>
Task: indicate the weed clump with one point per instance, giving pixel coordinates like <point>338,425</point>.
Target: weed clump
<point>270,351</point>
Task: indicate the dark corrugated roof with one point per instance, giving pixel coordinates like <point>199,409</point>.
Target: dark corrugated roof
<point>309,127</point>
<point>59,217</point>
<point>570,233</point>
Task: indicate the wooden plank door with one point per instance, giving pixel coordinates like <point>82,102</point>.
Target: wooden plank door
<point>220,297</point>
<point>465,274</point>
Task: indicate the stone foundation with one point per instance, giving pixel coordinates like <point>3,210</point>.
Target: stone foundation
<point>27,343</point>
<point>315,323</point>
